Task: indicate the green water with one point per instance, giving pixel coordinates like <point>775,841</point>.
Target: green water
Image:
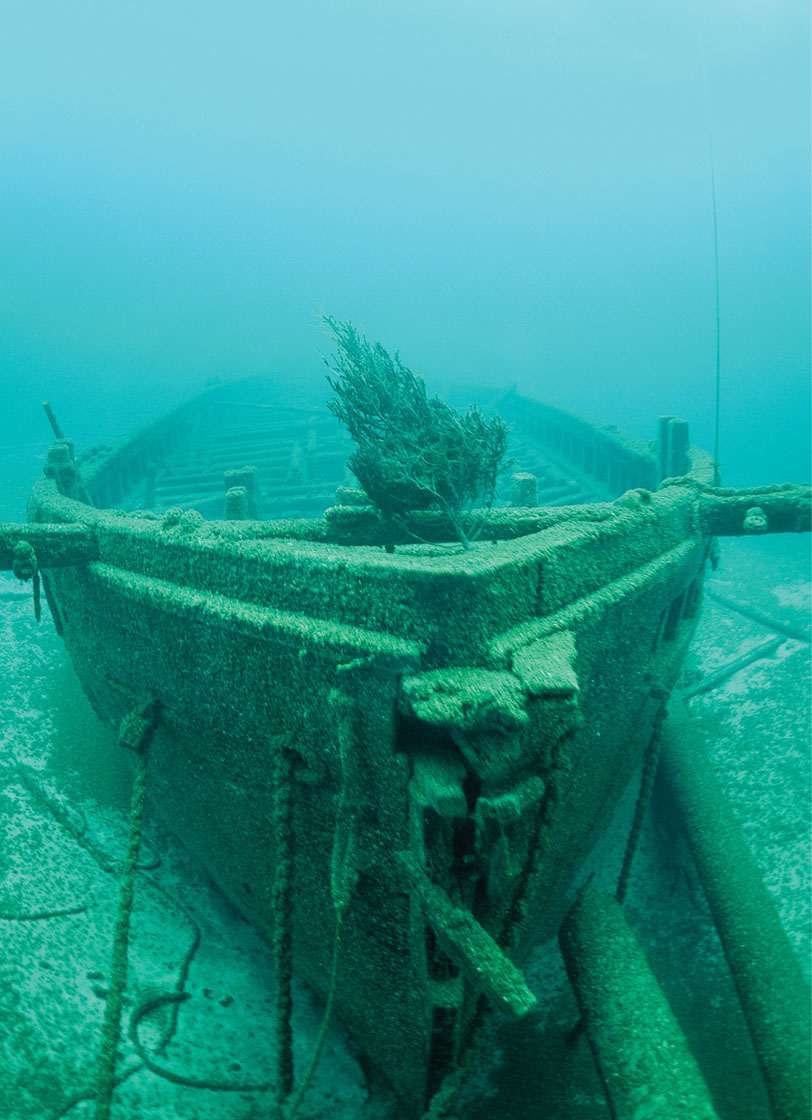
<point>508,194</point>
<point>513,193</point>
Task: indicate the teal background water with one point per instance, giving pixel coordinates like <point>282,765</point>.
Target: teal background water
<point>513,192</point>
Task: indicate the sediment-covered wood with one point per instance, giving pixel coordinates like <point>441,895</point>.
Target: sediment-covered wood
<point>761,509</point>
<point>640,1052</point>
<point>56,546</point>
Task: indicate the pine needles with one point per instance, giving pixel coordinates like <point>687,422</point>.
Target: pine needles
<point>413,452</point>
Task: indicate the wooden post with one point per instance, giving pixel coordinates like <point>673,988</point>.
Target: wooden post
<point>237,504</point>
<point>55,426</point>
<point>246,477</point>
<point>673,444</point>
<point>524,490</point>
<point>149,487</point>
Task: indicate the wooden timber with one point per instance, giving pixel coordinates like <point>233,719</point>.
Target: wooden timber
<point>459,724</point>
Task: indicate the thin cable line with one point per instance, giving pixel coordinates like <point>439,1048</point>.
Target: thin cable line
<point>716,471</point>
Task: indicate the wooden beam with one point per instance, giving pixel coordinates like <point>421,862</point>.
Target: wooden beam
<point>55,546</point>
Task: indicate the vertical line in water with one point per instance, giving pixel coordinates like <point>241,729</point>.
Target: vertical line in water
<point>718,332</point>
<point>716,472</point>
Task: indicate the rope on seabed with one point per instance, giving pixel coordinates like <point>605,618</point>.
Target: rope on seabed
<point>78,830</point>
<point>79,908</point>
<point>730,668</point>
<point>147,1004</point>
<point>136,732</point>
<point>176,998</point>
<point>794,632</point>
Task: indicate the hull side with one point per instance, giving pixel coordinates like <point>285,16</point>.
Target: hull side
<point>247,646</point>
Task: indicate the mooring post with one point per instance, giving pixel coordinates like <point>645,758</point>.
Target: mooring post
<point>673,444</point>
<point>237,504</point>
<point>246,477</point>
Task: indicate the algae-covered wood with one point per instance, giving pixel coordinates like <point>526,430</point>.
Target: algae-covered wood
<point>459,725</point>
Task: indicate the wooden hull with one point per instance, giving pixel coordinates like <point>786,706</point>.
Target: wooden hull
<point>481,712</point>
